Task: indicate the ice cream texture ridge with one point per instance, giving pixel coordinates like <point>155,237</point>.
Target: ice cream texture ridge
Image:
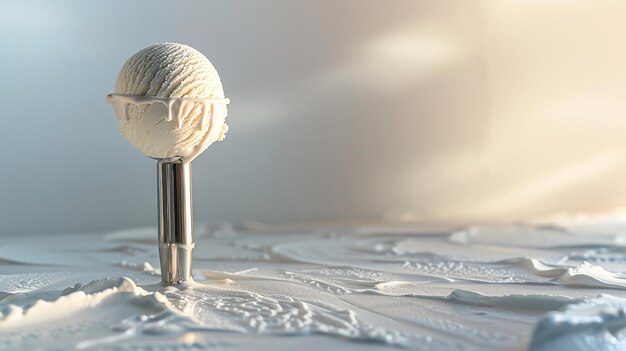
<point>172,71</point>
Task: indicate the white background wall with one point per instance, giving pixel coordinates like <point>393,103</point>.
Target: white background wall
<point>341,110</point>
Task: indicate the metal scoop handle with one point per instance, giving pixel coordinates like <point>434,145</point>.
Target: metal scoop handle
<point>176,239</point>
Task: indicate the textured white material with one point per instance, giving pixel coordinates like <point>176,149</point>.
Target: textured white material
<point>385,287</point>
<point>171,71</point>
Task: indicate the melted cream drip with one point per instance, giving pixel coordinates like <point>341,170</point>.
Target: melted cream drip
<point>175,113</point>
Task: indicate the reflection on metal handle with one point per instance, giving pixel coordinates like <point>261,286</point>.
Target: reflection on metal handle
<point>175,220</point>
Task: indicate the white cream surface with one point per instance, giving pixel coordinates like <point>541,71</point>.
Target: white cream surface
<point>387,287</point>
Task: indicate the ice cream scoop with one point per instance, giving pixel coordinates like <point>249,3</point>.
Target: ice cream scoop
<point>175,127</point>
<point>170,105</point>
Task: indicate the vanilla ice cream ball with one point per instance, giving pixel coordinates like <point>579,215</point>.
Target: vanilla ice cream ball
<point>171,71</point>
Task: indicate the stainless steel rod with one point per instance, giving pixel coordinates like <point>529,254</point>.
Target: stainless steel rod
<point>175,203</point>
